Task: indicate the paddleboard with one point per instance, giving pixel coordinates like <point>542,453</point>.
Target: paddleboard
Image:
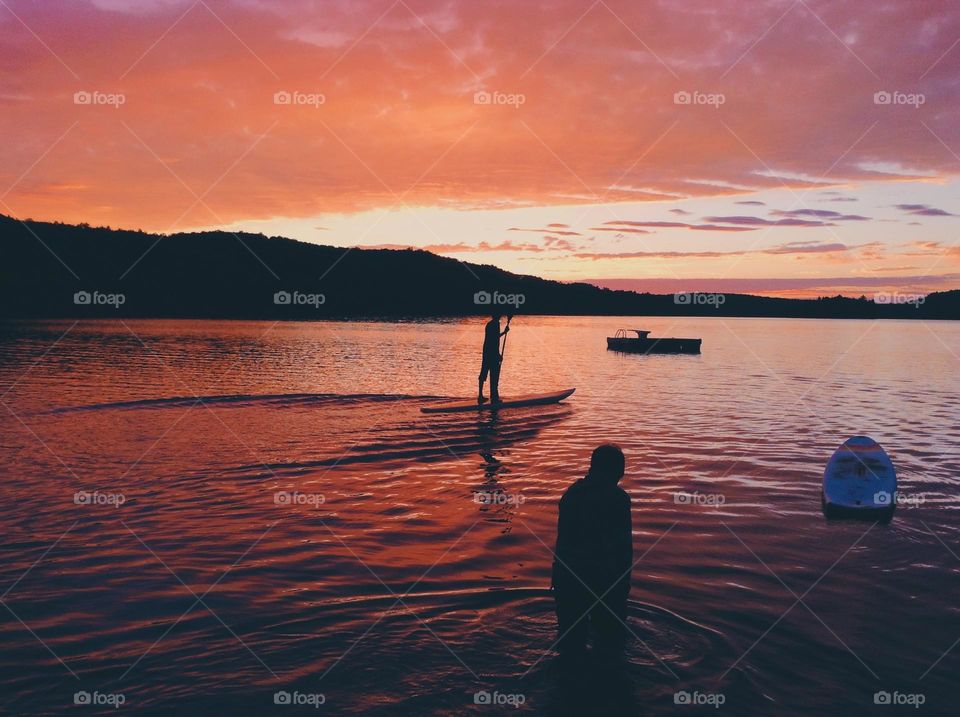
<point>534,400</point>
<point>860,480</point>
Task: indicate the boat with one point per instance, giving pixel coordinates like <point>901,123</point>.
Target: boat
<point>643,344</point>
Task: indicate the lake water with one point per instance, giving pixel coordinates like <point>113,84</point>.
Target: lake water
<point>263,510</point>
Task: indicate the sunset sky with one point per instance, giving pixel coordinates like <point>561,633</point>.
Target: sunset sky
<point>783,147</point>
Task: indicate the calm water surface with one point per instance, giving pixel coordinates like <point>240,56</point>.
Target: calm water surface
<point>263,509</point>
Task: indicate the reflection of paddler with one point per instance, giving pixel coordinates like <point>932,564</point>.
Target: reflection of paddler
<point>492,357</point>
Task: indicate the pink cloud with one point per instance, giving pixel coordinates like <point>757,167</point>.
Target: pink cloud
<point>399,126</point>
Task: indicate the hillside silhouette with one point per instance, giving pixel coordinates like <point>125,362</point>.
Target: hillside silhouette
<point>55,270</point>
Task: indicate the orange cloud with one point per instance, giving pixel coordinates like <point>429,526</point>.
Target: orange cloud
<point>379,104</point>
<point>168,114</point>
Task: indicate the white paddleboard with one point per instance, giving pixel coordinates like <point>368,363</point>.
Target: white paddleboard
<point>860,479</point>
<point>534,400</point>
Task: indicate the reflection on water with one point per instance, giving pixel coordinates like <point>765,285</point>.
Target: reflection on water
<point>199,515</point>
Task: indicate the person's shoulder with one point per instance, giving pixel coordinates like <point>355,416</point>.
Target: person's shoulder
<point>572,489</point>
<point>622,495</point>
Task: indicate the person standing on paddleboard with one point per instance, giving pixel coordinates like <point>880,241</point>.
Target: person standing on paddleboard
<point>491,359</point>
<point>594,556</point>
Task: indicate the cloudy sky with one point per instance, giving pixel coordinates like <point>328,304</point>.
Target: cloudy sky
<point>788,147</point>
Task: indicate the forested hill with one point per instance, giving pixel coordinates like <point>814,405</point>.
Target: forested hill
<point>59,270</point>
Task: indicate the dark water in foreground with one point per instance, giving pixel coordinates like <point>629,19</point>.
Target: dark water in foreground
<point>263,509</point>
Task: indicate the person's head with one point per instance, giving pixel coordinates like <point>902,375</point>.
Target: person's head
<point>495,317</point>
<point>607,462</point>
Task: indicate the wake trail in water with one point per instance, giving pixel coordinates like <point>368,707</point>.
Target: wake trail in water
<point>280,400</point>
<point>424,441</point>
<point>477,598</point>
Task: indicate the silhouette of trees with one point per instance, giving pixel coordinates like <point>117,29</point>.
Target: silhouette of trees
<point>225,275</point>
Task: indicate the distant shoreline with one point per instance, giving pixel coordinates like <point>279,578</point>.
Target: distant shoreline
<point>62,271</point>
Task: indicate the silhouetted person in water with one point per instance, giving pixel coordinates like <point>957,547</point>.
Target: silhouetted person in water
<point>491,359</point>
<point>594,556</point>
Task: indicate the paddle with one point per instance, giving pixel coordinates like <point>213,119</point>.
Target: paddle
<point>503,347</point>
